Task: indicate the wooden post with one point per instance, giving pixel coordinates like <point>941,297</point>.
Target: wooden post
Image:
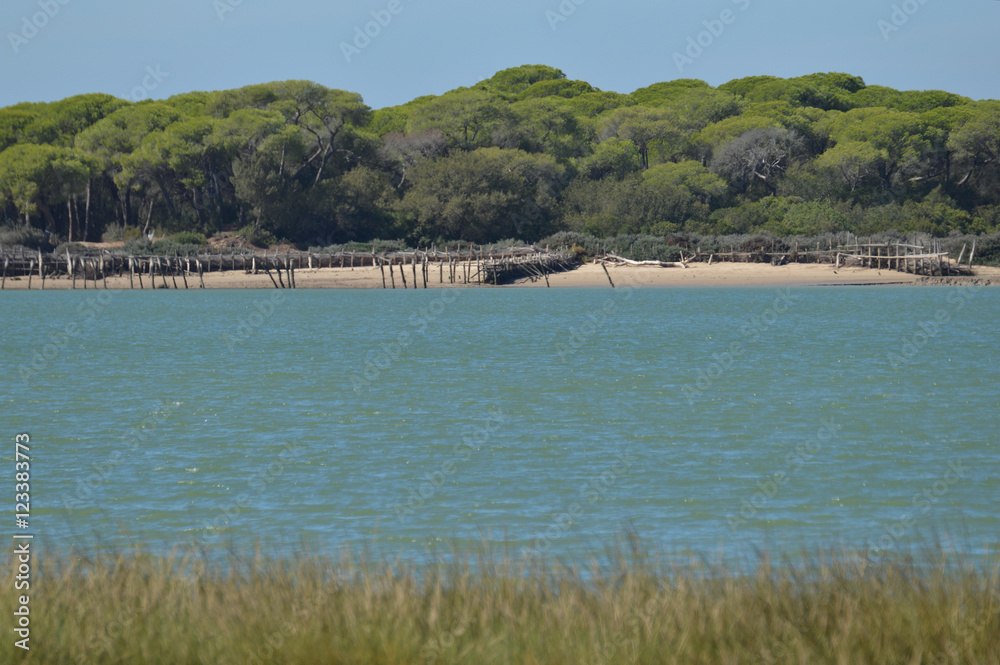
<point>972,253</point>
<point>173,273</point>
<point>962,255</point>
<point>163,275</point>
<point>381,266</point>
<point>603,265</point>
<point>104,275</point>
<point>392,275</point>
<point>41,269</point>
<point>184,272</point>
<point>277,269</point>
<point>291,274</point>
<point>31,272</point>
<point>3,282</point>
<point>69,268</point>
<point>402,273</point>
<point>201,274</point>
<point>270,275</point>
<point>138,273</point>
<point>413,264</point>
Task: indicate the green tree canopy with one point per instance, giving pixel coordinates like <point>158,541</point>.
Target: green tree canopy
<point>484,195</point>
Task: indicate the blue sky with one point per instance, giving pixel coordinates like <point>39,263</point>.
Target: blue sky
<point>52,49</point>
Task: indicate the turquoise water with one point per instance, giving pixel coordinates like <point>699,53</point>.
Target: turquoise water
<point>552,420</point>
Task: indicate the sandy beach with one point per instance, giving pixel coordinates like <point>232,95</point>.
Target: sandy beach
<point>589,275</point>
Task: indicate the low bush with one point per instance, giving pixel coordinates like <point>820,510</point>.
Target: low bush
<point>189,238</point>
<point>22,235</point>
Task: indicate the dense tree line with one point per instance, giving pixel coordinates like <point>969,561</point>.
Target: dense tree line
<point>524,154</point>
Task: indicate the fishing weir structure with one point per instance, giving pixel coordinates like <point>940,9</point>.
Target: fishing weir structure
<point>897,256</point>
<point>412,269</point>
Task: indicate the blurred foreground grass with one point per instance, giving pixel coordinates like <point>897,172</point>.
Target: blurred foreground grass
<point>832,607</point>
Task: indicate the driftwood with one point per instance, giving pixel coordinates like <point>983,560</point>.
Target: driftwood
<point>619,260</point>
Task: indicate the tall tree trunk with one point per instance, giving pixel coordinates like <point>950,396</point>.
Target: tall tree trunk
<point>86,214</point>
<point>149,218</point>
<point>166,196</point>
<point>217,193</point>
<point>69,212</point>
<point>327,152</point>
<point>128,206</point>
<point>199,205</point>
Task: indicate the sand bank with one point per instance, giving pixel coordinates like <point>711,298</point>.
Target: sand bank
<point>590,275</point>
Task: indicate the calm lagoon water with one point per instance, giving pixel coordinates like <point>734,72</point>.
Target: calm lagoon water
<point>408,421</point>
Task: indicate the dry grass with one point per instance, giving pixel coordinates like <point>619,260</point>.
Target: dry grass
<point>832,608</point>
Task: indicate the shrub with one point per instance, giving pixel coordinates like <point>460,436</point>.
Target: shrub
<point>72,247</point>
<point>22,235</point>
<point>119,233</point>
<point>257,236</point>
<point>189,238</point>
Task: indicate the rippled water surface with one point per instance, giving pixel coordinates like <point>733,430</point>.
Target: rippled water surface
<point>407,421</point>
